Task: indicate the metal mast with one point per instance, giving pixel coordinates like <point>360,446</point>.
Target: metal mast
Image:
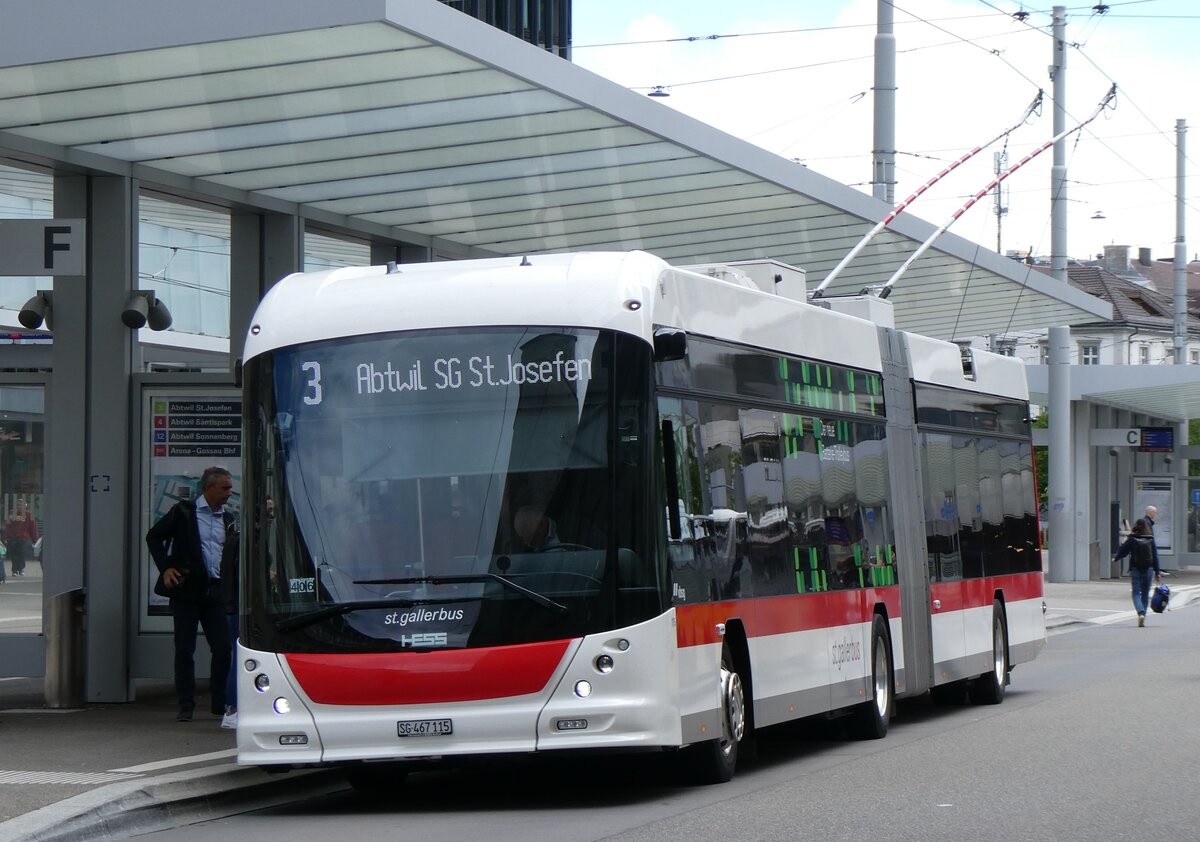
<point>1058,172</point>
<point>883,156</point>
<point>1180,243</point>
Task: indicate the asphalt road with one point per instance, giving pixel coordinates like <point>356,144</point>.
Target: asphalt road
<point>1096,740</point>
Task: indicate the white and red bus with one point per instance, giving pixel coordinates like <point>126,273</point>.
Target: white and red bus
<point>592,501</point>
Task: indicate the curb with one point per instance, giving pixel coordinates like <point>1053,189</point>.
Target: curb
<point>147,805</point>
<point>1181,597</point>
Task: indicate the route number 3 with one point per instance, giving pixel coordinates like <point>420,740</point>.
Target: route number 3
<point>314,382</point>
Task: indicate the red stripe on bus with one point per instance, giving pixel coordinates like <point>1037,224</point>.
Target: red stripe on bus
<point>415,678</point>
<point>979,593</point>
<point>696,625</point>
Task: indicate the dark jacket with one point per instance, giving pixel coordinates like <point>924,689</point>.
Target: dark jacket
<point>175,542</point>
<point>1127,550</point>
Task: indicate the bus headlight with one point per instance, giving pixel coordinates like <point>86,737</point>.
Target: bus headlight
<point>261,683</point>
<point>583,689</point>
<point>282,705</point>
<point>604,664</point>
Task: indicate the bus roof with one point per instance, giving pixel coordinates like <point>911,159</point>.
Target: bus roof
<point>633,292</point>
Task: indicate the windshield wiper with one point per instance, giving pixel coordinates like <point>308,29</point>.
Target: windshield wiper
<point>533,596</point>
<point>315,616</point>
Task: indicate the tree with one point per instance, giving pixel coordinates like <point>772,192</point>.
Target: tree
<point>1194,438</point>
<point>1041,461</point>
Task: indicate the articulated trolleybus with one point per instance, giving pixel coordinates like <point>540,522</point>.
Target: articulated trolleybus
<point>593,501</point>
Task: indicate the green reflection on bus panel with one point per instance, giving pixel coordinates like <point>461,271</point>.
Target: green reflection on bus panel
<point>830,387</point>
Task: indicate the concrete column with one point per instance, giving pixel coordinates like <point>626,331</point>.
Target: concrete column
<point>1107,490</point>
<point>263,249</point>
<point>410,253</point>
<point>1178,469</point>
<point>65,477</point>
<point>66,427</point>
<point>1059,492</point>
<point>384,253</point>
<point>245,278</point>
<point>282,247</point>
<point>113,266</point>
<point>1083,513</point>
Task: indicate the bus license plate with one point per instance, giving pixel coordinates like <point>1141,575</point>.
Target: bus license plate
<point>424,727</point>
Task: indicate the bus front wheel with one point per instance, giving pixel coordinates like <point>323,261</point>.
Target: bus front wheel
<point>714,761</point>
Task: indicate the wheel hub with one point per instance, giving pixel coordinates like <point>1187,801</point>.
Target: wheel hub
<point>735,710</point>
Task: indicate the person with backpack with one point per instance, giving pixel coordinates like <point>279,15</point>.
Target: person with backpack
<point>1143,557</point>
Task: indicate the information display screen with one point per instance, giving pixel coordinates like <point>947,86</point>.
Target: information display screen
<point>1157,440</point>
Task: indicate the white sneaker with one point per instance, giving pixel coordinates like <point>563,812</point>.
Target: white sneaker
<point>229,720</point>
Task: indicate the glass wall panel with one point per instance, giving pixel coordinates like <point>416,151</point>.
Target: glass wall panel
<point>322,252</point>
<point>22,460</point>
<point>1193,514</point>
<point>183,255</point>
<point>23,195</point>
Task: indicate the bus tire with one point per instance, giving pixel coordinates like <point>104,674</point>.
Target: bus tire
<point>988,688</point>
<point>714,761</point>
<point>869,721</point>
<point>376,780</point>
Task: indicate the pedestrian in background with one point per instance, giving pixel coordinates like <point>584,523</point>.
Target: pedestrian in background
<point>191,545</point>
<point>1149,516</point>
<point>1143,557</point>
<point>20,534</point>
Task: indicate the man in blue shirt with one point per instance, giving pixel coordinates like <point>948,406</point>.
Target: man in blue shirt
<point>187,545</point>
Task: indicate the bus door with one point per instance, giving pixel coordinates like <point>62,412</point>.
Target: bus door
<point>905,472</point>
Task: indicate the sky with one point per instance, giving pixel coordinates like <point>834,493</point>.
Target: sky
<point>795,77</point>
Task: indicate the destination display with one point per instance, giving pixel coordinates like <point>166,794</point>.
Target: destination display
<point>200,428</point>
<point>420,369</point>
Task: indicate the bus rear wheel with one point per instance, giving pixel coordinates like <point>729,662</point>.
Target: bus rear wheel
<point>714,761</point>
<point>869,721</point>
<point>988,689</point>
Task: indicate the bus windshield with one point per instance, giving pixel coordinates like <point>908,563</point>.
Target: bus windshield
<point>444,489</point>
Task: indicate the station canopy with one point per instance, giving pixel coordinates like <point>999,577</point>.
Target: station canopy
<point>408,120</point>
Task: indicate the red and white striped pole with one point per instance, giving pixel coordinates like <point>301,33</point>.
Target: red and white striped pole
<point>899,209</point>
<point>887,287</point>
